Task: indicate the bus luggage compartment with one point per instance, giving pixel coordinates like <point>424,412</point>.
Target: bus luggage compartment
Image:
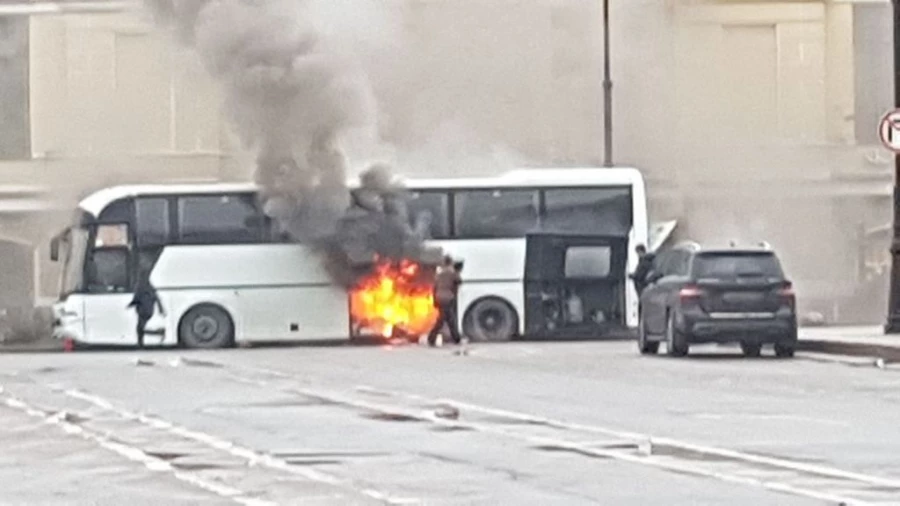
<point>575,286</point>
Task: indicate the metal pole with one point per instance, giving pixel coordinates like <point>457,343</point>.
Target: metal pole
<point>607,92</point>
<point>893,322</point>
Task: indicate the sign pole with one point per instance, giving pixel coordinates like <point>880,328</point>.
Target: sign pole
<point>893,320</point>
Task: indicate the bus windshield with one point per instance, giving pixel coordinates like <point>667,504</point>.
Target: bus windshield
<point>74,248</point>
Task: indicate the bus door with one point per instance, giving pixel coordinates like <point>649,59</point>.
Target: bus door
<point>108,287</point>
<point>575,285</point>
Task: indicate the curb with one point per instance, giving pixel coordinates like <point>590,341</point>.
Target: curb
<point>852,349</point>
<point>41,346</point>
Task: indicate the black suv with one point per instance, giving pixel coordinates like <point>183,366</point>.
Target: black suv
<point>726,295</point>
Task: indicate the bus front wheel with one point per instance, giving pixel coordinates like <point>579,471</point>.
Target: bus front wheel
<point>206,327</point>
<point>491,320</point>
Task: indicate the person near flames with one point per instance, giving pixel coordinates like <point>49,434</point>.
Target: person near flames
<point>144,302</point>
<point>446,286</point>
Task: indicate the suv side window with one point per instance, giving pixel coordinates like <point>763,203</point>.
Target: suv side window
<point>672,263</point>
<point>681,263</point>
<point>659,263</point>
<point>666,263</point>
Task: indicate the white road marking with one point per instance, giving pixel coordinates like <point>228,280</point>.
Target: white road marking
<point>253,457</point>
<point>130,452</point>
<point>641,458</point>
<point>769,417</point>
<point>707,450</point>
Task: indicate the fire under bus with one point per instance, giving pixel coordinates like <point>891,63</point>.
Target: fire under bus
<point>546,253</point>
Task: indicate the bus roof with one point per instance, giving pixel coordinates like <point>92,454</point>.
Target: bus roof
<point>587,176</point>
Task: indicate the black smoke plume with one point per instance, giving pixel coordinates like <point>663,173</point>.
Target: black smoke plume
<point>292,97</point>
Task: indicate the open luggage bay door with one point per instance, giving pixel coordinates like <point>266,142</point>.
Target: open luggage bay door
<point>575,285</point>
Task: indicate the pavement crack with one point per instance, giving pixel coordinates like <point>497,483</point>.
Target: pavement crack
<point>510,473</point>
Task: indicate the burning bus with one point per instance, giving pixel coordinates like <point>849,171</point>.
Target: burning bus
<point>547,253</point>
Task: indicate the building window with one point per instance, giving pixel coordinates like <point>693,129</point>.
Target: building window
<point>15,129</point>
<point>571,30</point>
<point>872,44</point>
<point>219,219</point>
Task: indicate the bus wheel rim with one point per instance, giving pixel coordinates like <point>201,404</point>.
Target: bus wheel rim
<point>491,320</point>
<point>205,328</point>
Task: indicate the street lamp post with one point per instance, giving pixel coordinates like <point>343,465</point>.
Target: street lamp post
<point>893,321</point>
<point>607,92</point>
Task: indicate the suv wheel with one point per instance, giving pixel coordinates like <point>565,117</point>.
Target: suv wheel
<point>751,349</point>
<point>784,350</point>
<point>676,342</point>
<point>646,346</point>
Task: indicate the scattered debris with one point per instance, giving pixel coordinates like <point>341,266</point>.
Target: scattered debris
<point>140,362</point>
<point>813,319</point>
<point>67,417</point>
<point>179,361</point>
<point>447,412</point>
<point>391,417</point>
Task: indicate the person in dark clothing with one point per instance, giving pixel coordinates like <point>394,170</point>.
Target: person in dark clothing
<point>643,269</point>
<point>144,302</point>
<point>446,286</point>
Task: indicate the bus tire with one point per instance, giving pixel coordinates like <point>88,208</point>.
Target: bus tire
<point>206,326</point>
<point>491,320</point>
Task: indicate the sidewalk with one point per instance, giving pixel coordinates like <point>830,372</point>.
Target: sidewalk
<point>855,341</point>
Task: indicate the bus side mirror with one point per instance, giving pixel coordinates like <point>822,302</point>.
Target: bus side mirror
<point>54,249</point>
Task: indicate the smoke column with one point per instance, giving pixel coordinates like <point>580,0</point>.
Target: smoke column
<point>293,92</point>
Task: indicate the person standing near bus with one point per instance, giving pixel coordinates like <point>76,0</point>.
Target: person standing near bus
<point>144,302</point>
<point>643,269</point>
<point>446,287</point>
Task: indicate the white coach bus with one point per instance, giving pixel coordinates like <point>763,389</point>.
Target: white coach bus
<point>546,254</point>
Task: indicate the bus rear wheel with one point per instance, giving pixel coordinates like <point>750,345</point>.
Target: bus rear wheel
<point>206,327</point>
<point>491,320</point>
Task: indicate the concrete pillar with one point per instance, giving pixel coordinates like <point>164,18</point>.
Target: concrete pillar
<point>839,76</point>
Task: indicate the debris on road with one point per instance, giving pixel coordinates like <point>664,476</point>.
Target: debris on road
<point>447,412</point>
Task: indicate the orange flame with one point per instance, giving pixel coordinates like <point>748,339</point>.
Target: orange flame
<point>394,297</point>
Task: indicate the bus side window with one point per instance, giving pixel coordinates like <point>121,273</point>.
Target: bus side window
<point>219,219</point>
<point>114,235</point>
<point>496,213</point>
<point>429,214</point>
<point>152,227</point>
<point>588,210</point>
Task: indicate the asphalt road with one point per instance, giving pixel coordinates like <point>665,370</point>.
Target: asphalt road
<point>523,423</point>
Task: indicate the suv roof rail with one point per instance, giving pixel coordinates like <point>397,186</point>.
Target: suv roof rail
<point>690,245</point>
<point>760,244</point>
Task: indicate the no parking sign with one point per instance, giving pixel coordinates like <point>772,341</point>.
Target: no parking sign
<point>889,131</point>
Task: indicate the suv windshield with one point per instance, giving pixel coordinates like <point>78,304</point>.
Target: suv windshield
<point>737,264</point>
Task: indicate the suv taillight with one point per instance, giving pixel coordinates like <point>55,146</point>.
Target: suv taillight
<point>787,295</point>
<point>689,293</point>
